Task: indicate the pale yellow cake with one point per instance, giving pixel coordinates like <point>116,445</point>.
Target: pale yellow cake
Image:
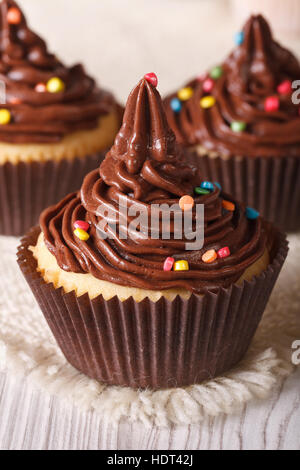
<point>86,283</point>
<point>78,144</point>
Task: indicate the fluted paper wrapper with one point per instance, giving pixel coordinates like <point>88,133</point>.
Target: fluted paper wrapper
<point>270,185</point>
<point>156,345</point>
<point>26,189</point>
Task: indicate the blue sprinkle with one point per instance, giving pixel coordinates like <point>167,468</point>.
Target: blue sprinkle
<point>218,185</point>
<point>207,185</point>
<point>176,105</point>
<point>239,38</point>
<point>251,214</point>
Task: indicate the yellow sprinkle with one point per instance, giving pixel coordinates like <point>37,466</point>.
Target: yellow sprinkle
<point>55,85</point>
<point>181,265</point>
<point>5,116</point>
<point>185,93</point>
<point>81,234</point>
<point>207,102</point>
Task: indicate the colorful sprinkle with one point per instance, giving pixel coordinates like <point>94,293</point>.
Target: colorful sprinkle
<point>151,78</point>
<point>207,102</point>
<point>185,93</point>
<point>5,117</point>
<point>81,234</point>
<point>176,105</point>
<point>224,252</point>
<point>216,72</point>
<point>40,88</point>
<point>208,85</point>
<point>14,100</point>
<point>272,104</point>
<point>239,38</point>
<point>186,203</point>
<point>207,185</point>
<point>181,265</point>
<point>55,85</point>
<point>168,264</point>
<point>209,256</point>
<point>251,213</point>
<point>201,191</point>
<point>238,126</point>
<point>229,206</point>
<point>285,87</point>
<point>14,16</point>
<point>81,224</point>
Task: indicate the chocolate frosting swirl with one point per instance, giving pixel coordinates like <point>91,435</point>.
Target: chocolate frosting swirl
<point>43,117</point>
<point>145,167</point>
<point>251,74</point>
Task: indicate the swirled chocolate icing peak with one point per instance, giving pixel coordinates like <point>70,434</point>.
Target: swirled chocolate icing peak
<point>36,116</point>
<point>260,64</point>
<point>250,76</point>
<point>145,154</point>
<point>144,169</point>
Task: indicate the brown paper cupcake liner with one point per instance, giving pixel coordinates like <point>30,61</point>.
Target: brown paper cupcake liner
<point>154,344</point>
<point>270,185</point>
<point>26,189</point>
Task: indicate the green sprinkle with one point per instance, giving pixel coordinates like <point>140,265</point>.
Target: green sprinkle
<point>201,191</point>
<point>216,72</point>
<point>238,126</point>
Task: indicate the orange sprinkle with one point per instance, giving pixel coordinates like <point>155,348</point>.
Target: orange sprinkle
<point>186,203</point>
<point>14,16</point>
<point>15,100</point>
<point>229,206</point>
<point>209,256</point>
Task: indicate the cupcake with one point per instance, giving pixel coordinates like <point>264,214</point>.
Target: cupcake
<point>141,304</point>
<point>285,17</point>
<point>241,123</point>
<point>55,124</point>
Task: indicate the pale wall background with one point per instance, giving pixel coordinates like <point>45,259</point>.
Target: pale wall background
<point>120,40</point>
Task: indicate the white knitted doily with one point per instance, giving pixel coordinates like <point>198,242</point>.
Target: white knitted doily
<point>28,349</point>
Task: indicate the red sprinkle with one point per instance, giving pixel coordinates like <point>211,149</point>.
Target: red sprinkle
<point>224,252</point>
<point>208,85</point>
<point>272,104</point>
<point>168,264</point>
<point>285,87</point>
<point>82,225</point>
<point>151,78</point>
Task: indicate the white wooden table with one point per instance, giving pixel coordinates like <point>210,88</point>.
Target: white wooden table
<point>31,420</point>
<point>119,42</point>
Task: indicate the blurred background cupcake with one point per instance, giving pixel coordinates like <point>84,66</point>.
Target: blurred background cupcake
<point>131,306</point>
<point>284,15</point>
<point>55,124</point>
<point>242,122</point>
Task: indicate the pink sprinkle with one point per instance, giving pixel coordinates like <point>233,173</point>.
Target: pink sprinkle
<point>224,252</point>
<point>272,104</point>
<point>40,88</point>
<point>151,78</point>
<point>285,87</point>
<point>82,225</point>
<point>168,264</point>
<point>208,85</point>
